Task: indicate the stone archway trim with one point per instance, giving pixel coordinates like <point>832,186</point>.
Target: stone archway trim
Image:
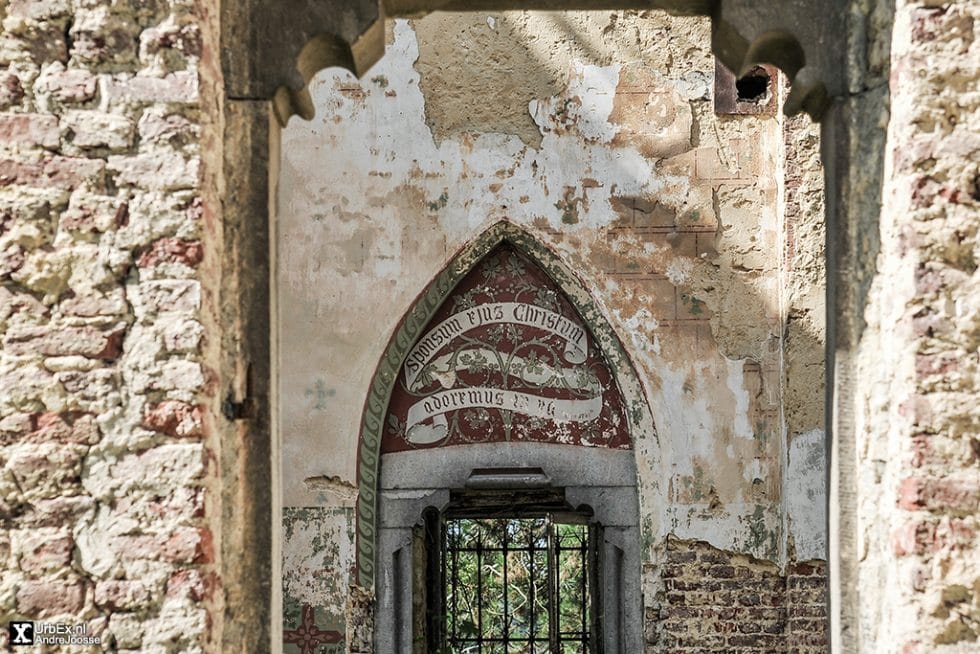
<point>639,419</point>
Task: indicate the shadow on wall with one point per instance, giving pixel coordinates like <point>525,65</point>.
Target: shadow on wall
<point>689,261</point>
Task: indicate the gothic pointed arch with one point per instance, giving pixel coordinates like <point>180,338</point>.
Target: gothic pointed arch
<point>505,344</point>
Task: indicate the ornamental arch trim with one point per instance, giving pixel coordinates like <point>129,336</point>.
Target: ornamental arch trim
<point>636,412</point>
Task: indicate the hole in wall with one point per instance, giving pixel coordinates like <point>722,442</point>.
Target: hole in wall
<point>753,86</point>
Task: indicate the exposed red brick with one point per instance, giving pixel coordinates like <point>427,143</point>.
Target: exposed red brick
<point>11,90</point>
<point>41,599</point>
<point>189,584</point>
<point>943,363</point>
<point>943,495</point>
<point>184,545</point>
<point>928,280</point>
<point>72,86</point>
<point>927,536</point>
<point>918,408</point>
<point>174,418</point>
<point>924,190</point>
<point>171,250</point>
<point>720,602</point>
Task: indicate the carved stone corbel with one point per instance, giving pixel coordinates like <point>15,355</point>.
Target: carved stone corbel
<point>286,43</point>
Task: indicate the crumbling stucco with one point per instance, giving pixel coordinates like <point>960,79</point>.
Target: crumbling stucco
<point>669,215</point>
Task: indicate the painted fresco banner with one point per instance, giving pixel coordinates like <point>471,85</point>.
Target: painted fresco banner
<point>495,313</point>
<point>505,358</point>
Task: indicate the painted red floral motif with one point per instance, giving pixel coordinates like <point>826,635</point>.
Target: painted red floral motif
<point>505,358</point>
<point>308,636</point>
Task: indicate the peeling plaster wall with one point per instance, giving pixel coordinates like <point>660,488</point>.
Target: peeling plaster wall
<point>596,133</point>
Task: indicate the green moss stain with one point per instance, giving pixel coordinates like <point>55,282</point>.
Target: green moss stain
<point>694,306</point>
<point>695,484</point>
<point>440,202</point>
<point>761,539</point>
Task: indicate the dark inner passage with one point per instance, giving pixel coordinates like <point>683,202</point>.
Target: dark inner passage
<point>753,86</point>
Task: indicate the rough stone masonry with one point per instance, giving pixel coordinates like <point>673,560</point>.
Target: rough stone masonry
<point>107,278</point>
<point>103,512</point>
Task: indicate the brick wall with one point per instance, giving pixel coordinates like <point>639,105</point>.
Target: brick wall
<point>717,601</point>
<point>102,452</point>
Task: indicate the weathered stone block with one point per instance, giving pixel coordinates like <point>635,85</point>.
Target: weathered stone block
<point>43,550</point>
<point>178,628</point>
<point>92,129</point>
<point>100,37</point>
<point>11,90</point>
<point>164,467</point>
<point>66,86</point>
<point>45,470</point>
<point>59,511</point>
<point>163,170</point>
<point>56,171</point>
<point>41,599</point>
<point>178,88</point>
<point>183,545</point>
<point>168,45</point>
<point>122,595</point>
<point>948,495</point>
<point>170,295</point>
<point>38,10</point>
<point>64,341</point>
<point>127,629</point>
<point>179,375</point>
<point>158,125</point>
<point>181,335</point>
<point>66,427</point>
<point>89,305</point>
<point>188,585</point>
<point>30,388</point>
<point>30,129</point>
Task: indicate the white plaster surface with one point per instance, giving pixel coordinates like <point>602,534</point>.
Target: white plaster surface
<point>806,494</point>
<point>371,208</point>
